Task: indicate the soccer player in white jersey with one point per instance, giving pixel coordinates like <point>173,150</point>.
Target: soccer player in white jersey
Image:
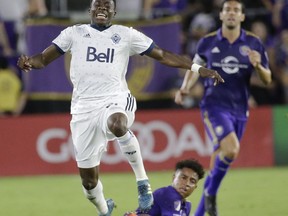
<point>102,107</point>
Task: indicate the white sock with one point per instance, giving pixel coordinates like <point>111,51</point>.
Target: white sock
<point>129,146</point>
<point>96,197</point>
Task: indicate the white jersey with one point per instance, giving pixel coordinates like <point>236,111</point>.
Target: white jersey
<point>99,61</point>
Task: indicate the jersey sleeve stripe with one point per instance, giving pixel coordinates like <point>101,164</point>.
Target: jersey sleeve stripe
<point>59,49</point>
<point>149,49</point>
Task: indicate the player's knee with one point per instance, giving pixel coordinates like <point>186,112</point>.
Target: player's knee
<point>117,124</point>
<point>232,153</point>
<point>89,184</point>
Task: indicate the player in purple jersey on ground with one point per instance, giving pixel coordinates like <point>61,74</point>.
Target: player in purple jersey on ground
<point>235,54</point>
<point>102,106</point>
<point>171,200</point>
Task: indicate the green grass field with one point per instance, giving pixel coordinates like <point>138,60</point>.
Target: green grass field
<point>245,192</point>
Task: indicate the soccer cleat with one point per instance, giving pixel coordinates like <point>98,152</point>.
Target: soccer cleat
<point>111,205</point>
<point>145,196</point>
<point>210,205</point>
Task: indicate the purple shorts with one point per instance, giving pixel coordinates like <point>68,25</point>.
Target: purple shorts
<point>219,123</point>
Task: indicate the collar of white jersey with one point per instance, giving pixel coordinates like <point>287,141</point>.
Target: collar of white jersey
<point>100,28</point>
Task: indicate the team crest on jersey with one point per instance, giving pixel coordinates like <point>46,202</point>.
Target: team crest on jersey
<point>244,50</point>
<point>116,38</point>
<point>219,130</point>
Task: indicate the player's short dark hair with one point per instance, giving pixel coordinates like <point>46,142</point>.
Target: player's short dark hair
<point>113,1</point>
<point>239,1</point>
<point>191,164</point>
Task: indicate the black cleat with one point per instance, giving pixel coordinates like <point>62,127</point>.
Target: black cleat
<point>210,205</point>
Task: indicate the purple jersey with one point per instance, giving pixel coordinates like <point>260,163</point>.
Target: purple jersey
<point>232,63</point>
<point>168,202</point>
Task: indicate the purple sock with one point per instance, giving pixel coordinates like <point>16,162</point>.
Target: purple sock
<point>200,211</point>
<point>218,173</point>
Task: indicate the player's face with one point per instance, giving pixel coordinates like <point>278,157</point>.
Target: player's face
<point>231,14</point>
<point>185,181</point>
<point>102,12</point>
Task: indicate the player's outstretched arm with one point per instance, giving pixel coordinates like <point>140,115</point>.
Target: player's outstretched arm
<point>174,60</point>
<point>40,60</point>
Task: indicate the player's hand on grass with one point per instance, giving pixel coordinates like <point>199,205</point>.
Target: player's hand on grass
<point>130,214</point>
<point>208,73</point>
<point>135,214</point>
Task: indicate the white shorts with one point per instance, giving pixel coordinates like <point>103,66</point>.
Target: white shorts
<point>90,133</point>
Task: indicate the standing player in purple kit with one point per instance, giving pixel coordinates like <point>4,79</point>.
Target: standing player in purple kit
<point>102,106</point>
<point>235,54</point>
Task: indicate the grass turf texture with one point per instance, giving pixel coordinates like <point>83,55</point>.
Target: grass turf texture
<point>244,192</point>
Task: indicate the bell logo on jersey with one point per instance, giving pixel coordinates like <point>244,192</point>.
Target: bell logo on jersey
<point>107,57</point>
